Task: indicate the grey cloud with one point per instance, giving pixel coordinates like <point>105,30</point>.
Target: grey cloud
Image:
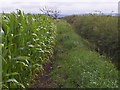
<point>77,6</point>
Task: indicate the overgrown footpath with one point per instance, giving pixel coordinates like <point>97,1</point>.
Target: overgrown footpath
<point>76,66</point>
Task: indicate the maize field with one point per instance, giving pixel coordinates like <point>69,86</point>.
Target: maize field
<point>28,42</point>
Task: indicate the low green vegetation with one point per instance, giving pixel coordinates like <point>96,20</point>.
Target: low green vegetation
<point>76,66</point>
<point>27,43</point>
<point>101,31</point>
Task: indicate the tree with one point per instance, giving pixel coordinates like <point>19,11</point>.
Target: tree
<point>54,13</point>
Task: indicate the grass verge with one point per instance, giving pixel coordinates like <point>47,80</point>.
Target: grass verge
<point>76,66</point>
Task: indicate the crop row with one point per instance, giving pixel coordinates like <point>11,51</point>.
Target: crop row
<point>27,43</point>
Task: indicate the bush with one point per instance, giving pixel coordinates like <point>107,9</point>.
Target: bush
<point>101,31</point>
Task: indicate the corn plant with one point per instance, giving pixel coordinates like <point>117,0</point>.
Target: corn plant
<point>27,43</point>
<point>0,54</point>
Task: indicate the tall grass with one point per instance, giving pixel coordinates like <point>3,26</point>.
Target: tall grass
<point>27,44</point>
<point>101,31</point>
<point>76,66</point>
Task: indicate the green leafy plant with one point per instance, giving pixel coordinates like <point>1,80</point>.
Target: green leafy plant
<point>27,43</point>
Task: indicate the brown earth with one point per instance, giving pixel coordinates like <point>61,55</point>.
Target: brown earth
<point>43,81</point>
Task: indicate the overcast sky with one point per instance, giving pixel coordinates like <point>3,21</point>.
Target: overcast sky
<point>66,7</point>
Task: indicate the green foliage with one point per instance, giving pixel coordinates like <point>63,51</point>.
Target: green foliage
<point>101,31</point>
<point>76,66</point>
<point>27,44</point>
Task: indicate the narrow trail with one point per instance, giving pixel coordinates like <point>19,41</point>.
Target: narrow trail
<point>43,81</point>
